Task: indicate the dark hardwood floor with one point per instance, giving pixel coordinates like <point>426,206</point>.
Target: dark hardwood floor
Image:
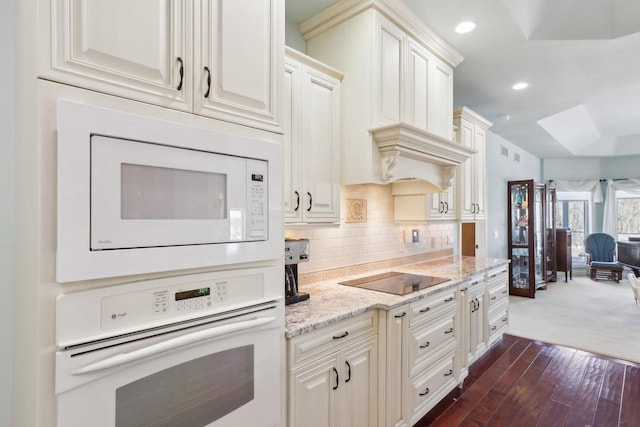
<point>520,382</point>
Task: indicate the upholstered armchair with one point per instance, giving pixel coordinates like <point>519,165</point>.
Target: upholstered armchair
<point>601,251</point>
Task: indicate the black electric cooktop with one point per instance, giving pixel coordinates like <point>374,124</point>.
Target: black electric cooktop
<point>395,282</point>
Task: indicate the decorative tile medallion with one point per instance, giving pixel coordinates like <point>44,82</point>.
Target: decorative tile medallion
<point>356,210</point>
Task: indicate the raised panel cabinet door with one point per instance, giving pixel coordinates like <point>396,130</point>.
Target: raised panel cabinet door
<point>389,73</point>
<point>359,401</point>
<point>436,206</point>
<point>313,394</point>
<point>239,60</point>
<point>418,63</point>
<point>467,172</point>
<point>480,171</point>
<point>440,113</point>
<point>291,120</point>
<point>397,366</point>
<point>320,147</point>
<point>134,49</point>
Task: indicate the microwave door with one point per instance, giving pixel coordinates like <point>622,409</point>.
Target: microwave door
<point>149,195</point>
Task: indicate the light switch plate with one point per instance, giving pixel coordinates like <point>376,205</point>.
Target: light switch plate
<point>415,235</point>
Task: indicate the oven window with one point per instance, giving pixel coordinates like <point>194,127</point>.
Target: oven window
<point>192,394</point>
<point>151,192</point>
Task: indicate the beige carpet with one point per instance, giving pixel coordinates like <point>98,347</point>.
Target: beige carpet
<point>600,317</point>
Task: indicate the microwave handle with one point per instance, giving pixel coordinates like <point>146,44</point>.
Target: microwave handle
<point>152,350</point>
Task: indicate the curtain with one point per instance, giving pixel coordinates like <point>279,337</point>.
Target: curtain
<point>592,185</point>
<point>610,220</point>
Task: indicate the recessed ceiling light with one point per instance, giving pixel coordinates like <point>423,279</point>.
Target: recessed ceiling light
<point>520,86</point>
<point>465,27</point>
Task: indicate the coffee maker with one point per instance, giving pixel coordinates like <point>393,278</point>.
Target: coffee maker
<point>295,251</point>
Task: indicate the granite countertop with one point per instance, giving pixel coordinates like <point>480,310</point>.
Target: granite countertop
<point>331,302</point>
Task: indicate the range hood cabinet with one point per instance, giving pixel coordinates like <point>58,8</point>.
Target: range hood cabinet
<point>405,152</point>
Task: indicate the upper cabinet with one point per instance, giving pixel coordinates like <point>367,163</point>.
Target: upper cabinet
<point>216,58</point>
<point>397,96</point>
<point>312,140</point>
<point>472,175</point>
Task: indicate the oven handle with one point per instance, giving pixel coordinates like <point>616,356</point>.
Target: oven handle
<point>161,347</point>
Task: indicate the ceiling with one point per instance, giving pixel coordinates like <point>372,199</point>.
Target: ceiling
<point>581,59</point>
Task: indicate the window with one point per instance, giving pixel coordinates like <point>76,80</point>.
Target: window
<point>628,215</point>
<point>573,211</point>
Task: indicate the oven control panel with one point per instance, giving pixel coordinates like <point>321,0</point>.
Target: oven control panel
<point>172,301</point>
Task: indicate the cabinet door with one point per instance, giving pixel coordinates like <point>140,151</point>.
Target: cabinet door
<point>359,401</point>
<point>397,365</point>
<point>291,119</point>
<point>321,147</point>
<point>313,394</point>
<point>480,172</point>
<point>389,72</point>
<point>137,50</point>
<point>417,90</point>
<point>466,171</point>
<point>440,115</point>
<point>477,326</point>
<point>239,61</point>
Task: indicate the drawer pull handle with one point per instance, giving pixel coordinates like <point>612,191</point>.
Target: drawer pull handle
<point>348,371</point>
<point>398,316</point>
<point>493,275</point>
<point>424,393</point>
<point>425,345</point>
<point>493,328</point>
<point>310,202</point>
<point>424,310</point>
<point>463,289</point>
<point>448,299</point>
<point>337,379</point>
<point>504,292</point>
<point>505,319</point>
<point>448,331</point>
<point>337,337</point>
<point>448,373</point>
<point>493,298</point>
<point>297,201</point>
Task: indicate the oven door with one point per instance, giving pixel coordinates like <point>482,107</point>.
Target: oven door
<point>227,373</point>
<point>149,195</point>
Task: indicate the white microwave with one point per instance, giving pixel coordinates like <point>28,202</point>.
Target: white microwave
<point>138,195</point>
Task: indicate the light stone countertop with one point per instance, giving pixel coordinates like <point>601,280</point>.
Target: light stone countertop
<point>331,302</point>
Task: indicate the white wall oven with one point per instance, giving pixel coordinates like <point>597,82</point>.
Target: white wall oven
<point>139,195</point>
<point>193,351</point>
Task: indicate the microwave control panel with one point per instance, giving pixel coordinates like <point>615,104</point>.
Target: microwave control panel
<point>172,302</point>
<point>257,200</point>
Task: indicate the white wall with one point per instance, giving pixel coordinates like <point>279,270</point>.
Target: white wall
<point>293,38</point>
<point>6,212</point>
<point>500,170</point>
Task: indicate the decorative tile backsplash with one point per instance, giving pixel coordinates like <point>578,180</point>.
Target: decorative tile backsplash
<point>367,234</point>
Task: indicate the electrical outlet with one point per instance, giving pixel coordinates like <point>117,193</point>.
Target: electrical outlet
<point>415,235</point>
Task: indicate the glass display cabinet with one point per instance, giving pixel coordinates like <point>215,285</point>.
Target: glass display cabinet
<point>550,249</point>
<point>527,237</point>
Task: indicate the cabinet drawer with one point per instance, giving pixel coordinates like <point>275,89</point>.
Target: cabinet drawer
<point>498,324</point>
<point>432,306</point>
<point>429,389</point>
<point>430,340</point>
<point>305,348</point>
<point>497,295</point>
<point>498,277</point>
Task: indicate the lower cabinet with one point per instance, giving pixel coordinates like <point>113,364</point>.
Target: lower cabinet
<point>333,375</point>
<point>391,367</point>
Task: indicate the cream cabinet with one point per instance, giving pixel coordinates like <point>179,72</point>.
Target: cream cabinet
<point>472,174</point>
<point>421,344</point>
<point>473,322</point>
<point>312,140</point>
<point>333,375</point>
<point>497,304</point>
<point>401,81</point>
<point>216,58</point>
<point>443,206</point>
